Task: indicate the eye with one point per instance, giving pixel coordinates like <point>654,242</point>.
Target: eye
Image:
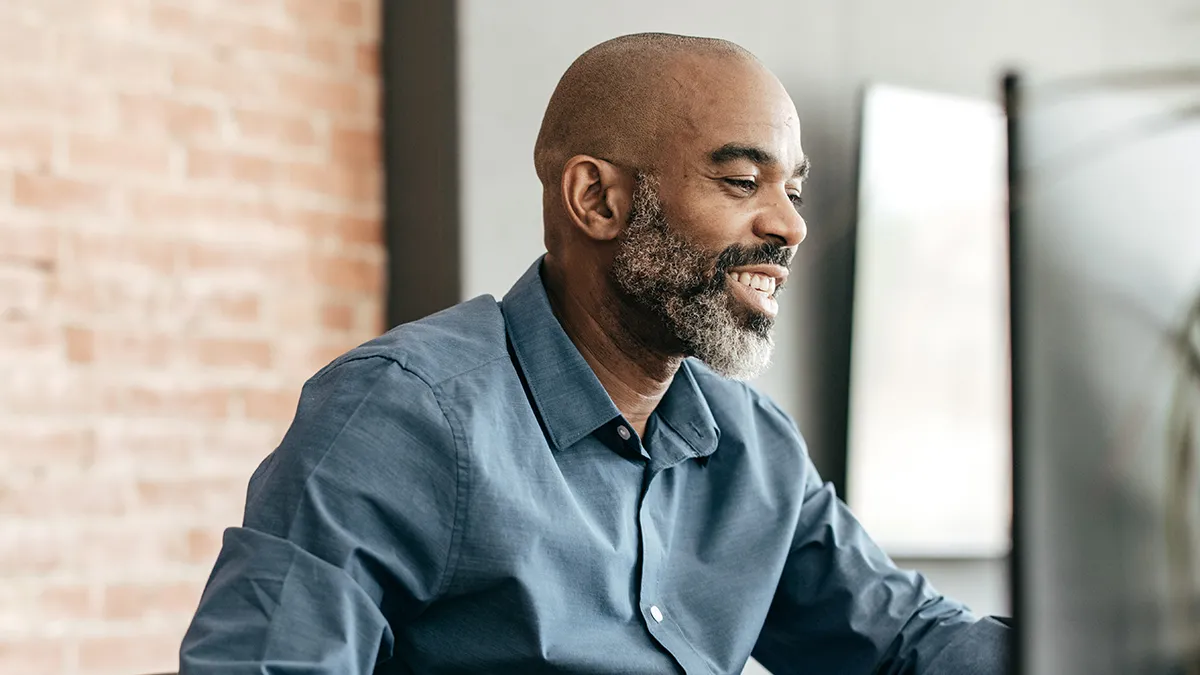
<point>797,200</point>
<point>745,185</point>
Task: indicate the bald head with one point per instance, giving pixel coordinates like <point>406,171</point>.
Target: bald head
<point>616,97</point>
<point>671,170</point>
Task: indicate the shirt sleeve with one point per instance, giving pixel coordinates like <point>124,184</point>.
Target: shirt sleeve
<point>347,532</point>
<point>842,606</point>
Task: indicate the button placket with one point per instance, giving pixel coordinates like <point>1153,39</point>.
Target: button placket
<point>651,555</point>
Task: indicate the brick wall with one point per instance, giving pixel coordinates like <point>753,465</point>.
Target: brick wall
<point>190,204</point>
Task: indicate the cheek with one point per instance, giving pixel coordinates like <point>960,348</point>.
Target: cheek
<point>712,222</point>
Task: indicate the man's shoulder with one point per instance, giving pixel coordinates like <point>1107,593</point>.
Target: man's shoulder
<point>443,345</point>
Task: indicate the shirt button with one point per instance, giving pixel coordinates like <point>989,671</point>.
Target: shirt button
<point>623,432</point>
<point>656,613</point>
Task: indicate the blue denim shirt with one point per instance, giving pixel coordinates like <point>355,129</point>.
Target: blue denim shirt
<point>461,495</point>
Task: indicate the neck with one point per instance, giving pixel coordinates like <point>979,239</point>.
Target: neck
<point>635,375</point>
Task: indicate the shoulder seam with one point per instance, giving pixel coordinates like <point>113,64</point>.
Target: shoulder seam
<point>429,382</point>
<point>462,494</point>
<point>460,460</point>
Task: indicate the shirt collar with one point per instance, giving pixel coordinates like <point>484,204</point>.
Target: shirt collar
<point>569,398</point>
<point>684,409</point>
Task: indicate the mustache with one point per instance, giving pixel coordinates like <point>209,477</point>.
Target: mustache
<point>763,254</point>
<point>741,256</point>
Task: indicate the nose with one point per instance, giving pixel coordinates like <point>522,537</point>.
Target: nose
<point>780,222</point>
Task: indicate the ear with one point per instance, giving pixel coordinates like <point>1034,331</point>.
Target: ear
<point>597,195</point>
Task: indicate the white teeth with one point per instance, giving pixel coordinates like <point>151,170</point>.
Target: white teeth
<point>759,282</point>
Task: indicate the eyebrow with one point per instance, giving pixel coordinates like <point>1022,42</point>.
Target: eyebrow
<point>733,151</point>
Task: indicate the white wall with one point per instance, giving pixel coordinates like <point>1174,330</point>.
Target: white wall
<point>514,52</point>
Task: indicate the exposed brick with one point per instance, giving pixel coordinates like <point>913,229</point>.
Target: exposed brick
<point>32,656</point>
<point>270,404</point>
<point>143,653</point>
<point>355,147</point>
<point>177,19</point>
<point>238,307</point>
<point>215,210</point>
<point>325,93</point>
<point>322,355</point>
<point>33,555</point>
<point>203,544</point>
<point>115,298</point>
<point>52,194</point>
<point>80,344</point>
<point>349,273</point>
<point>272,127</point>
<point>103,249</point>
<point>151,450</point>
<point>371,317</point>
<point>21,44</point>
<point>24,292</point>
<point>226,261</point>
<point>190,225</point>
<point>26,144</point>
<point>118,154</point>
<point>366,59</point>
<point>37,452</point>
<point>337,316</point>
<point>36,246</point>
<point>113,59</point>
<point>120,346</point>
<point>340,13</point>
<point>151,600</point>
<point>228,167</point>
<point>239,85</point>
<point>258,37</point>
<point>108,549</point>
<point>155,114</point>
<point>59,602</point>
<point>211,404</point>
<point>39,99</point>
<point>351,230</point>
<point>191,494</point>
<point>25,339</point>
<point>234,353</point>
<point>326,51</point>
<point>348,183</point>
<point>56,498</point>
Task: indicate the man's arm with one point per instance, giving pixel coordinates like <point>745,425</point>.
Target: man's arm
<point>347,532</point>
<point>842,606</point>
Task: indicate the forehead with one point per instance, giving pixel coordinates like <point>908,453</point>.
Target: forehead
<point>740,103</point>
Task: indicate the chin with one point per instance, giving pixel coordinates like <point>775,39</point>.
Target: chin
<point>741,359</point>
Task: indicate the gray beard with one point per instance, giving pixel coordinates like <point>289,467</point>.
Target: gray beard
<point>663,273</point>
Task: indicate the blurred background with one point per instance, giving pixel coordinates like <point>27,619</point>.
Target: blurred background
<point>195,216</point>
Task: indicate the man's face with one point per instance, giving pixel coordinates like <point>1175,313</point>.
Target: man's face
<point>721,321</point>
<point>711,235</point>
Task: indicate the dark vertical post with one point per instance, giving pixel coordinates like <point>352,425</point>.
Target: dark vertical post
<point>420,153</point>
<point>1016,295</point>
<point>835,309</point>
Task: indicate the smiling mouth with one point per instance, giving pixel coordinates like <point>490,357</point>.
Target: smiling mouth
<point>756,290</point>
<point>760,283</point>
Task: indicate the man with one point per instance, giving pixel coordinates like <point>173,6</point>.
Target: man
<point>550,483</point>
